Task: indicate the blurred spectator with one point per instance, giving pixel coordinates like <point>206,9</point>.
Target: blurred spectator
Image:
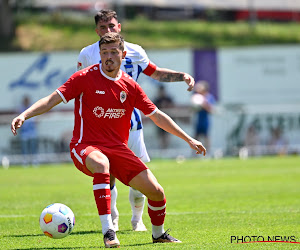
<point>252,140</point>
<point>28,135</point>
<point>203,103</point>
<point>163,101</point>
<point>278,143</point>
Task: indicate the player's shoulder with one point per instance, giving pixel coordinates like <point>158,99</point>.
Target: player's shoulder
<point>88,70</point>
<point>132,48</point>
<point>128,79</point>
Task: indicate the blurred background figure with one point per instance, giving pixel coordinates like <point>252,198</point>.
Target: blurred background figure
<point>28,137</point>
<point>278,143</point>
<point>252,141</point>
<point>203,103</point>
<point>163,101</point>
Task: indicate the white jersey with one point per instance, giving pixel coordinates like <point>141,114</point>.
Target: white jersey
<point>135,62</point>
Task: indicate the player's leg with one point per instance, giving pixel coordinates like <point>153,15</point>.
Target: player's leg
<point>137,202</point>
<point>98,164</point>
<point>114,209</point>
<point>146,183</point>
<point>93,162</point>
<point>136,198</point>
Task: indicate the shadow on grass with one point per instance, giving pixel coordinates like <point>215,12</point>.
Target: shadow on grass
<point>136,245</point>
<point>75,233</point>
<point>97,247</point>
<point>38,235</point>
<point>43,248</point>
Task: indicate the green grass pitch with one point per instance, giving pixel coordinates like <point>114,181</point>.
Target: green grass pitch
<point>208,201</point>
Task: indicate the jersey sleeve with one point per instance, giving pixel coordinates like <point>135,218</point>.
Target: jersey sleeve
<point>150,69</point>
<point>72,88</point>
<point>143,102</point>
<point>82,61</point>
<point>147,66</point>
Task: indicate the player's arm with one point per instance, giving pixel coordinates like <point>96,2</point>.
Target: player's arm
<point>40,107</point>
<point>163,74</point>
<point>165,122</point>
<point>207,106</point>
<point>168,75</point>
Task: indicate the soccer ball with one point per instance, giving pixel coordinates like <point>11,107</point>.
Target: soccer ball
<point>57,221</point>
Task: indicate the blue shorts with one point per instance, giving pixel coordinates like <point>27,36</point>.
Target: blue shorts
<point>202,129</point>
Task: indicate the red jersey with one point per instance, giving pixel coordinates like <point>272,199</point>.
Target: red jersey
<point>103,105</point>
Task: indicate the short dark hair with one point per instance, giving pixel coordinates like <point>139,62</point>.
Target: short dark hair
<point>105,15</point>
<point>112,37</point>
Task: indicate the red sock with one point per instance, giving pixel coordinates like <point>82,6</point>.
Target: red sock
<point>157,211</point>
<point>102,192</point>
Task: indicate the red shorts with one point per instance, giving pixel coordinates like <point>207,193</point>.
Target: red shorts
<point>124,164</point>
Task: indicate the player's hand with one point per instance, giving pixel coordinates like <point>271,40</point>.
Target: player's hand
<point>190,81</point>
<point>17,123</point>
<point>197,146</point>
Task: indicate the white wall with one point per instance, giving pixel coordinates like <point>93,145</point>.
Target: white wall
<point>259,75</point>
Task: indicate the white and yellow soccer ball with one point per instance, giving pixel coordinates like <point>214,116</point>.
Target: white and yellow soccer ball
<point>57,221</point>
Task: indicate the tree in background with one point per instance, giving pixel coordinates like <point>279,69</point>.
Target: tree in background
<point>7,26</point>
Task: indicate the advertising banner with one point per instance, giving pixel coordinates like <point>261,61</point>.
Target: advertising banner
<point>32,74</point>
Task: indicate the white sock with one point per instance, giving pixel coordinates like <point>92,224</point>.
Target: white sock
<point>157,231</point>
<point>137,201</point>
<point>113,196</point>
<point>106,223</point>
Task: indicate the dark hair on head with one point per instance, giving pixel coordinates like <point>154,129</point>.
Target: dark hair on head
<point>112,37</point>
<point>105,15</point>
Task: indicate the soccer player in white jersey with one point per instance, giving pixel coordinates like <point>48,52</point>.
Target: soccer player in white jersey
<point>105,97</point>
<point>135,62</point>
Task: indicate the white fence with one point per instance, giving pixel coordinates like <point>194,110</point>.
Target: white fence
<point>228,135</point>
<point>265,79</point>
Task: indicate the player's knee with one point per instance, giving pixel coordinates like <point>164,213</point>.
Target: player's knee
<point>97,163</point>
<point>100,168</point>
<point>161,193</point>
<point>157,194</point>
<point>102,165</point>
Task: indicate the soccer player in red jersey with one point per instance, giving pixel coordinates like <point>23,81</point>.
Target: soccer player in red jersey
<point>135,63</point>
<point>104,100</point>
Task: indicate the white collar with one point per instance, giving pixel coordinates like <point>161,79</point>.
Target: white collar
<point>108,77</point>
